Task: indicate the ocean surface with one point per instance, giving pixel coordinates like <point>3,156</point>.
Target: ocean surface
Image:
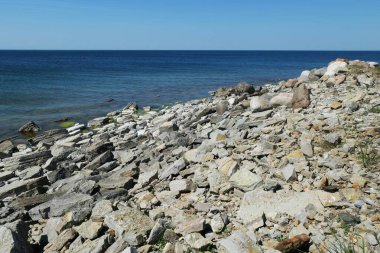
<point>45,86</point>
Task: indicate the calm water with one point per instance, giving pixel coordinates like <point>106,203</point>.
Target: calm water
<point>48,85</point>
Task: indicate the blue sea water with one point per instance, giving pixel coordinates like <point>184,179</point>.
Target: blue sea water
<point>44,86</point>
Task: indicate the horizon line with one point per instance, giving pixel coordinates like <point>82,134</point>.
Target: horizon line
<point>278,50</point>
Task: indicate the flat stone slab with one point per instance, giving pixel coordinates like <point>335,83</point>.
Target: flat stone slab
<point>20,186</point>
<point>59,206</point>
<point>257,203</point>
<point>129,223</point>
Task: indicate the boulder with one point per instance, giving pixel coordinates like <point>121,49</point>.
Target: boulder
<point>221,107</point>
<point>29,129</point>
<point>301,97</point>
<point>245,180</point>
<point>260,103</point>
<point>282,99</point>
<point>336,67</point>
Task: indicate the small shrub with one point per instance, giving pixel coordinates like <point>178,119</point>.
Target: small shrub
<point>367,154</point>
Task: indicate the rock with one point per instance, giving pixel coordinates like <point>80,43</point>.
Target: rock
<point>60,205</point>
<point>130,224</point>
<point>14,237</point>
<point>364,80</point>
<point>227,166</point>
<point>97,122</point>
<point>221,107</point>
<point>336,67</point>
<point>335,105</point>
<point>197,241</point>
<point>6,149</point>
<point>294,244</point>
<point>182,185</point>
<point>299,230</point>
<point>245,180</point>
<point>29,129</point>
<point>99,161</point>
<point>63,238</point>
<point>284,99</point>
<point>290,83</point>
<point>305,144</point>
<point>122,178</point>
<point>289,172</point>
<point>243,88</point>
<point>301,97</point>
<point>100,209</point>
<point>304,77</point>
<point>333,138</point>
<point>17,187</point>
<point>239,241</point>
<point>157,231</point>
<point>89,229</point>
<point>372,240</point>
<point>256,203</point>
<point>190,226</point>
<point>96,246</point>
<point>260,103</point>
<point>125,157</point>
<point>358,180</point>
<point>147,177</point>
<point>218,223</point>
<point>174,168</point>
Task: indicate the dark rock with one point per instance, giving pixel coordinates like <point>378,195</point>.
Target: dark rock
<point>29,129</point>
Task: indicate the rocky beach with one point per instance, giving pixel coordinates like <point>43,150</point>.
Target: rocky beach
<point>288,167</point>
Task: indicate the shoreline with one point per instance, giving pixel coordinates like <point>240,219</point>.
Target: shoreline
<point>265,169</point>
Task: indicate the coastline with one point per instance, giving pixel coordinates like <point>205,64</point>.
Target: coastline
<point>200,175</point>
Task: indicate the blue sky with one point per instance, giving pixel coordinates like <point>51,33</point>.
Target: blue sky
<point>190,24</point>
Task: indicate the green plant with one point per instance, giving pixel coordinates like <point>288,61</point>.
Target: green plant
<point>375,109</point>
<point>352,243</point>
<point>367,154</point>
<point>67,124</point>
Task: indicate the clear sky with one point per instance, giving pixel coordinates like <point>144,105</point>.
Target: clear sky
<point>190,24</point>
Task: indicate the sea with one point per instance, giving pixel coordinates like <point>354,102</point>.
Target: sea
<point>46,86</point>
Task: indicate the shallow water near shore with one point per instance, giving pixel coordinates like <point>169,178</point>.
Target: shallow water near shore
<point>45,86</point>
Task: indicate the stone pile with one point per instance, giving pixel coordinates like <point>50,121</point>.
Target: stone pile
<point>282,168</point>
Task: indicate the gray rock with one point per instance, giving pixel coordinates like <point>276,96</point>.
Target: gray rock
<point>17,187</point>
<point>122,178</point>
<point>333,138</point>
<point>97,122</point>
<point>60,205</point>
<point>130,224</point>
<point>289,172</point>
<point>221,107</point>
<point>100,209</point>
<point>6,149</point>
<point>363,79</point>
<point>260,103</point>
<point>157,231</point>
<point>245,180</point>
<point>305,144</point>
<point>256,203</point>
<point>173,169</point>
<point>147,177</point>
<point>182,185</point>
<point>62,239</point>
<point>239,241</point>
<point>14,238</point>
<point>197,241</point>
<point>99,161</point>
<point>89,229</point>
<point>218,223</point>
<point>284,99</point>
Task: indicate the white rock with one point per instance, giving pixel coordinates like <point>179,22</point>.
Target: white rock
<point>245,180</point>
<point>336,67</point>
<point>182,185</point>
